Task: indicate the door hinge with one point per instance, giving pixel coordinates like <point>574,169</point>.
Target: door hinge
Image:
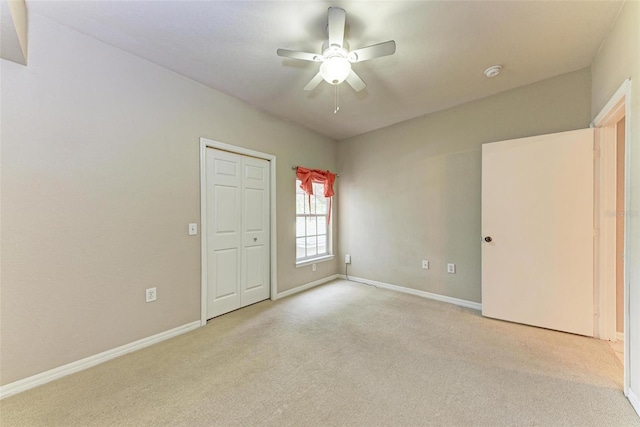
<point>595,232</point>
<point>596,154</point>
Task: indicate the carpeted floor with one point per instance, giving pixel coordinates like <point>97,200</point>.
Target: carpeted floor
<point>344,354</point>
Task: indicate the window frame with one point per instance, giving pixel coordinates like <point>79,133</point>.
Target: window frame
<point>328,255</point>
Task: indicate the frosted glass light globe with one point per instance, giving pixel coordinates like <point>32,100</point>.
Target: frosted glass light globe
<point>335,69</point>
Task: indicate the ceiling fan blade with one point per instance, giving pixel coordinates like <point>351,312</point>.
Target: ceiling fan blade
<point>375,51</point>
<point>294,54</point>
<point>314,82</point>
<point>337,18</point>
<point>355,81</point>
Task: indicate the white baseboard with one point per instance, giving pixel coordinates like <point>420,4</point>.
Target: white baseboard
<point>82,364</point>
<point>423,294</point>
<point>305,287</point>
<point>620,336</point>
<point>635,402</point>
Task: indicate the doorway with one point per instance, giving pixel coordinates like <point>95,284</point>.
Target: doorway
<point>608,158</point>
<point>612,174</point>
<point>237,199</point>
<point>620,226</point>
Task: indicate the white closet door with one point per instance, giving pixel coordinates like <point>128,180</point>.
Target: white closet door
<point>224,184</point>
<point>237,231</point>
<point>255,283</point>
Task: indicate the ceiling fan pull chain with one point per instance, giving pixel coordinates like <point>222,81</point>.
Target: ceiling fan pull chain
<point>336,103</point>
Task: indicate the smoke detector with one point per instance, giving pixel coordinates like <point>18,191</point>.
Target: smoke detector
<point>493,71</point>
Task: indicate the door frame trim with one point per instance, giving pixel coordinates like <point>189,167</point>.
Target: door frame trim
<point>618,106</point>
<point>273,259</point>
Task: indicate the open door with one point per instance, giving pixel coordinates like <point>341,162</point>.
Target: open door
<point>538,231</point>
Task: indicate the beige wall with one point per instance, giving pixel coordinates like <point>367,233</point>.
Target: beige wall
<point>412,191</point>
<point>617,60</point>
<point>100,177</point>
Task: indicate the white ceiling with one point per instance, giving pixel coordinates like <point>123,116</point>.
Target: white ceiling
<point>443,49</point>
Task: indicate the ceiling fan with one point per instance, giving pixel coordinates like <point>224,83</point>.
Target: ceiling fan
<point>335,58</point>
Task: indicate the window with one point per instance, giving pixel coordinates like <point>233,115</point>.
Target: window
<point>313,236</point>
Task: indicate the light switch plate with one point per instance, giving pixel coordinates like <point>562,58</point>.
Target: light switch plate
<point>193,229</point>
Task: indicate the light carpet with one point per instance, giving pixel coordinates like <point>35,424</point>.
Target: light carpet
<point>344,354</point>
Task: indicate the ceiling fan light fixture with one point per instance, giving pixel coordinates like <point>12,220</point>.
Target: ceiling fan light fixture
<point>334,70</point>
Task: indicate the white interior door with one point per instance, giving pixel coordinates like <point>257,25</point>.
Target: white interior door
<point>537,212</point>
<point>255,284</point>
<point>224,235</point>
<point>237,232</point>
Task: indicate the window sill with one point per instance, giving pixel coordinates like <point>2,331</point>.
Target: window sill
<point>314,260</point>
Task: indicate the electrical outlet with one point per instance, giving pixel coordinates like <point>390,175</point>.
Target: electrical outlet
<point>451,268</point>
<point>313,267</point>
<point>347,259</point>
<point>425,264</point>
<point>151,295</point>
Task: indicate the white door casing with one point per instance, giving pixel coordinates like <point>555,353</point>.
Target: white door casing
<point>537,208</point>
<point>618,106</point>
<point>237,232</point>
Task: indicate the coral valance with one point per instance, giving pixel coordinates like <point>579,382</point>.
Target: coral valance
<point>309,176</point>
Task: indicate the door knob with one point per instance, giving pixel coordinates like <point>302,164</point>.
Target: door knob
<point>488,239</point>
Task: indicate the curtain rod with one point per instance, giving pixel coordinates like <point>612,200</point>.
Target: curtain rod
<point>296,167</point>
